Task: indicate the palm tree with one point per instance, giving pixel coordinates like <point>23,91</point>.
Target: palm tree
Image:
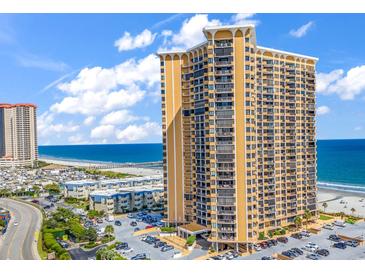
<point>325,205</point>
<point>298,221</point>
<point>307,216</point>
<point>109,230</point>
<point>353,211</point>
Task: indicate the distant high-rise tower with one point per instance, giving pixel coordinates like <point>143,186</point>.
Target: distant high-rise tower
<point>239,144</point>
<point>18,135</point>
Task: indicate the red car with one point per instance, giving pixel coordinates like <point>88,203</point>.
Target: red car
<point>149,226</point>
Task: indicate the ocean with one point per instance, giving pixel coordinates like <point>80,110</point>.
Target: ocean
<point>340,165</point>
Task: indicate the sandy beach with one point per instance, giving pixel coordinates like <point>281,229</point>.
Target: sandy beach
<point>140,171</point>
<point>342,201</point>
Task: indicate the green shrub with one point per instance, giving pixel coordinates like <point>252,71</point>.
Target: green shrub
<point>91,245</point>
<point>190,240</point>
<point>262,236</point>
<point>168,229</point>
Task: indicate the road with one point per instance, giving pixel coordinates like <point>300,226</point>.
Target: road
<point>20,241</point>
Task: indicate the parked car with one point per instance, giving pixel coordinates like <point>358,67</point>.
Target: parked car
<point>313,256</point>
<point>334,238</point>
<point>313,245</point>
<point>323,252</point>
<point>340,245</point>
<point>310,248</point>
<point>131,216</point>
<point>273,242</point>
<point>133,223</point>
<point>305,233</point>
<point>141,256</point>
<point>339,223</point>
<point>267,258</point>
<point>297,236</point>
<point>121,246</point>
<point>136,229</point>
<point>352,243</point>
<point>283,240</point>
<point>297,250</point>
<point>149,226</point>
<point>118,223</point>
<point>126,250</point>
<point>159,244</point>
<point>329,226</point>
<point>167,248</point>
<point>257,247</point>
<point>63,244</point>
<point>263,245</point>
<point>99,221</point>
<point>288,253</point>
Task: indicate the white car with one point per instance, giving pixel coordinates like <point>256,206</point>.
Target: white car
<point>16,223</point>
<point>328,226</point>
<point>127,250</point>
<point>339,223</point>
<point>309,248</point>
<point>313,245</point>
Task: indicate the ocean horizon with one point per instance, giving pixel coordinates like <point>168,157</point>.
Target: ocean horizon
<point>340,163</point>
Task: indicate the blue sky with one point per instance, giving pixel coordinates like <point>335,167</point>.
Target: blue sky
<point>95,77</point>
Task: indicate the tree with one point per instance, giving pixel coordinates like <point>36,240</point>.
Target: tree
<point>91,235</point>
<point>53,188</point>
<point>298,221</point>
<point>325,205</point>
<point>36,190</point>
<point>342,215</point>
<point>353,210</point>
<point>307,216</point>
<point>109,230</point>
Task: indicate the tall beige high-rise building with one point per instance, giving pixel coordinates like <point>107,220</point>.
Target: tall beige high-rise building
<point>239,143</point>
<point>18,135</point>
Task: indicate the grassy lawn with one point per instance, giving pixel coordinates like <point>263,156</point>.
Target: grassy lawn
<point>325,217</point>
<point>108,174</point>
<point>41,252</point>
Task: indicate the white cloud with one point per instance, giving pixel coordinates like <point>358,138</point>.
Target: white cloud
<point>89,120</point>
<point>322,110</point>
<point>76,139</point>
<point>345,85</point>
<point>190,32</point>
<point>46,125</point>
<point>134,133</point>
<point>118,117</point>
<point>358,128</point>
<point>99,90</point>
<point>244,19</point>
<point>33,61</point>
<point>128,42</point>
<point>102,132</point>
<point>302,31</point>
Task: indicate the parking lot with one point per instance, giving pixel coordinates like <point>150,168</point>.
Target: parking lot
<point>321,239</point>
<point>124,233</point>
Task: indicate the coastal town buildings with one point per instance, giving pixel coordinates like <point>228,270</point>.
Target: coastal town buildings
<point>239,150</point>
<point>18,135</point>
<point>118,195</point>
<point>126,199</point>
<point>81,189</point>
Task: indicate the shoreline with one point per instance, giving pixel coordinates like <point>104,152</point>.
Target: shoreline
<point>341,201</point>
<point>131,168</point>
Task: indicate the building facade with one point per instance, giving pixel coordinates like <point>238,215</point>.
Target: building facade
<point>18,135</point>
<point>126,199</point>
<point>82,189</point>
<point>238,125</point>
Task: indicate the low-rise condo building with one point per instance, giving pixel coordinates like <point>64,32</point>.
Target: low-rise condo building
<point>126,199</point>
<point>18,135</point>
<point>82,189</point>
<point>239,149</point>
